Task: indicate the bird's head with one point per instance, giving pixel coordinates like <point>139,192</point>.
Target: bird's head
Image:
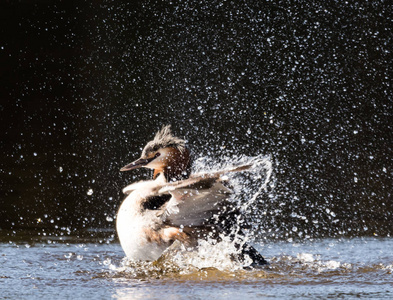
<point>165,154</point>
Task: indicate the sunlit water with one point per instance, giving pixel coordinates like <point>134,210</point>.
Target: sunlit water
<point>328,268</point>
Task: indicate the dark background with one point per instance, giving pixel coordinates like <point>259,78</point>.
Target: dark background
<point>86,85</point>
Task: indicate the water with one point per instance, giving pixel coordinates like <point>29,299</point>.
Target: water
<point>75,268</point>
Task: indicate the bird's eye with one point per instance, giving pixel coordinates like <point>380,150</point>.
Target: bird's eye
<point>157,155</point>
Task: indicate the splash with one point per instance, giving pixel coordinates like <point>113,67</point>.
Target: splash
<point>248,188</point>
<point>248,185</point>
<point>208,254</point>
<point>251,188</point>
<point>314,262</point>
<point>211,260</point>
<point>224,254</point>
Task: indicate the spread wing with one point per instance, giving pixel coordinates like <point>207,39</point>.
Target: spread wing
<point>194,205</point>
<point>197,199</point>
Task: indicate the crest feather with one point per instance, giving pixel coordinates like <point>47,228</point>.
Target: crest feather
<point>164,139</point>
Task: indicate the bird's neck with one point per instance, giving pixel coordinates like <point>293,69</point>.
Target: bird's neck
<point>177,169</point>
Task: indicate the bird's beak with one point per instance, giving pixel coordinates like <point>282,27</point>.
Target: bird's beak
<point>136,164</point>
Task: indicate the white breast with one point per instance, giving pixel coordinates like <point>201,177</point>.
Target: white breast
<point>131,225</point>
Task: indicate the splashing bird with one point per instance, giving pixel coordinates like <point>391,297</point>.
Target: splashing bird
<point>176,205</point>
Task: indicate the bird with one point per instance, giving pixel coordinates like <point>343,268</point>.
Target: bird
<point>176,205</point>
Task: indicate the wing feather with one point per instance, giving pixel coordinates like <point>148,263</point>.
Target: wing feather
<point>197,199</point>
<point>194,200</point>
<point>193,206</point>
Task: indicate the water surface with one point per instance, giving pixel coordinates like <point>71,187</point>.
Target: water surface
<point>93,268</point>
